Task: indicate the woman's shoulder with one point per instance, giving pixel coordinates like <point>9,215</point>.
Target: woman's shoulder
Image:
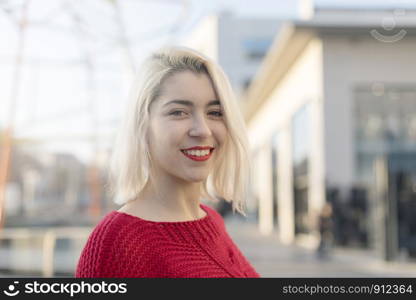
<point>112,243</point>
<point>117,226</point>
<point>210,210</point>
<point>213,213</point>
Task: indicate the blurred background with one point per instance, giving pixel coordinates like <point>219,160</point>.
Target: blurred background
<point>327,89</point>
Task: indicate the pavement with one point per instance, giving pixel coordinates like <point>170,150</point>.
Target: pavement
<point>271,258</point>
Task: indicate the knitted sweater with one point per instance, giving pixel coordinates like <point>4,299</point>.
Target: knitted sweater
<point>122,245</point>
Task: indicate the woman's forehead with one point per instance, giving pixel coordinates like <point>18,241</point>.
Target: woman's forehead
<point>187,80</point>
<point>190,87</point>
<point>190,103</point>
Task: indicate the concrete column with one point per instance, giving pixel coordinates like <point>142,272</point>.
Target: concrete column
<point>286,216</point>
<point>316,160</point>
<point>264,177</point>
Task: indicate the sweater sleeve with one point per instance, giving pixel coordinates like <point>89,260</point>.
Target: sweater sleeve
<point>96,256</point>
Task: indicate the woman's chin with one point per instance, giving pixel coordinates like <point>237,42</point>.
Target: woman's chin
<point>195,177</point>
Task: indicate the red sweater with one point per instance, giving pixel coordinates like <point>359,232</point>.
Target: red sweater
<point>123,245</point>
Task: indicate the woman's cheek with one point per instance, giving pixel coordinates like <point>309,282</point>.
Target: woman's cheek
<point>220,133</point>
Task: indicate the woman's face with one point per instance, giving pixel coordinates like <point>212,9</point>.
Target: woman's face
<point>187,114</point>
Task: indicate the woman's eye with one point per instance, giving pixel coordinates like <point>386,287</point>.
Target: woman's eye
<point>216,113</point>
<point>177,113</point>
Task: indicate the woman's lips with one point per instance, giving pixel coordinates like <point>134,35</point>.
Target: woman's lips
<point>198,158</point>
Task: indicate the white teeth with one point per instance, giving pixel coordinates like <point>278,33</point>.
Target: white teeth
<point>197,152</point>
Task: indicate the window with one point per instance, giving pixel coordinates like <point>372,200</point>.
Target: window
<point>256,48</point>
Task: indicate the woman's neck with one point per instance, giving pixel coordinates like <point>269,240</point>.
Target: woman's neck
<point>166,201</point>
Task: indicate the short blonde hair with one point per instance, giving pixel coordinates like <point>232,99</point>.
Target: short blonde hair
<point>130,160</point>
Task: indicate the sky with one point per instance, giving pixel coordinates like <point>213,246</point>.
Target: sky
<point>75,77</point>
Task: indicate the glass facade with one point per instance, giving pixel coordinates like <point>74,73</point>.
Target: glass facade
<point>385,126</point>
<point>301,149</point>
<point>385,123</point>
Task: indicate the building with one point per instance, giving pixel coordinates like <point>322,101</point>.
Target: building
<point>334,95</point>
<point>52,188</point>
<point>238,44</point>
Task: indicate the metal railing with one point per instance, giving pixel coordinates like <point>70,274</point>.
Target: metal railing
<point>34,250</point>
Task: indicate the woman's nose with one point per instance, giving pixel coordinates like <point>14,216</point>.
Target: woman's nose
<point>200,128</point>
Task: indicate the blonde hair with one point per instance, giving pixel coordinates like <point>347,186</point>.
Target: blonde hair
<point>130,161</point>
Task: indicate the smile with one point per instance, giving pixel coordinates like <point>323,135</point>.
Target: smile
<point>198,155</point>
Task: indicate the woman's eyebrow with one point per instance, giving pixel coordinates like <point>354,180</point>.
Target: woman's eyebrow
<point>190,103</point>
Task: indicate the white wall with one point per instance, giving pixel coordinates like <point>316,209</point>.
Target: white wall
<point>204,37</point>
<point>346,63</point>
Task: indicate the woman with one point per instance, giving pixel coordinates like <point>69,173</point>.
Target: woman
<point>183,139</point>
<point>325,225</point>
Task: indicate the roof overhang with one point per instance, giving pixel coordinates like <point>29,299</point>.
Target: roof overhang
<point>290,42</point>
<point>288,45</point>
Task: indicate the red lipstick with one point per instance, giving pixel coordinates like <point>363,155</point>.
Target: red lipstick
<point>196,157</point>
<point>199,148</point>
